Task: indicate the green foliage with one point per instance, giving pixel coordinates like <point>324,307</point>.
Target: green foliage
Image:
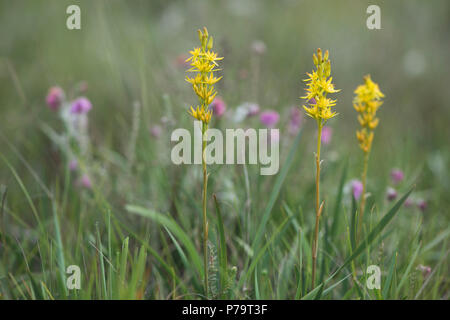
<point>136,234</point>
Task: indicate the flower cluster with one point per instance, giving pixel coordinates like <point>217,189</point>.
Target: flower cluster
<point>366,103</point>
<point>203,63</point>
<point>75,140</point>
<point>319,84</point>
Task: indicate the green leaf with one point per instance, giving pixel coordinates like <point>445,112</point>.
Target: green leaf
<point>175,229</point>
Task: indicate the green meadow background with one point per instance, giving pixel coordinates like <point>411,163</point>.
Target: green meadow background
<point>137,233</point>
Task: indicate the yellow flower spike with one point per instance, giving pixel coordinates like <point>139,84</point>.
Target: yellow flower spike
<point>203,62</point>
<point>318,85</point>
<point>366,102</point>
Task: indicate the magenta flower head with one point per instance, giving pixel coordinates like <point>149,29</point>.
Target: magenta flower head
<point>327,132</point>
<point>54,98</point>
<point>357,189</point>
<point>295,120</point>
<point>269,118</point>
<point>80,106</point>
<point>85,182</point>
<point>391,194</point>
<point>218,106</point>
<point>397,175</point>
<point>422,204</point>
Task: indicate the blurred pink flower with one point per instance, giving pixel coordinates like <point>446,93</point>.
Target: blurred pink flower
<point>269,118</point>
<point>391,194</point>
<point>397,175</point>
<point>274,136</point>
<point>73,165</point>
<point>81,105</point>
<point>295,120</point>
<point>426,270</point>
<point>422,204</point>
<point>259,47</point>
<point>408,202</point>
<point>218,106</point>
<point>155,131</point>
<point>54,98</point>
<point>357,189</point>
<point>85,182</point>
<point>327,132</point>
<point>253,109</point>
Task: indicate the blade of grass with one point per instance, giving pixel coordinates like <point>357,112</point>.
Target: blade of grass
<point>25,191</point>
<point>443,235</point>
<point>123,261</point>
<point>260,253</point>
<point>300,266</point>
<point>60,252</point>
<point>387,284</point>
<point>372,235</point>
<point>110,269</point>
<point>223,259</point>
<point>337,204</point>
<point>177,231</point>
<point>179,249</point>
<point>275,191</point>
<point>102,262</point>
<point>353,226</point>
<point>137,273</point>
<point>407,271</point>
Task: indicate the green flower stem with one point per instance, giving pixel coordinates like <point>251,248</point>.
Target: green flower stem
<point>363,195</point>
<point>318,206</point>
<point>205,222</point>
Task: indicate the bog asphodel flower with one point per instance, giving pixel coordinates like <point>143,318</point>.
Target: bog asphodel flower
<point>203,62</point>
<point>319,84</point>
<point>366,103</point>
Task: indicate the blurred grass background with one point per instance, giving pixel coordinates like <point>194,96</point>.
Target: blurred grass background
<point>128,52</point>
